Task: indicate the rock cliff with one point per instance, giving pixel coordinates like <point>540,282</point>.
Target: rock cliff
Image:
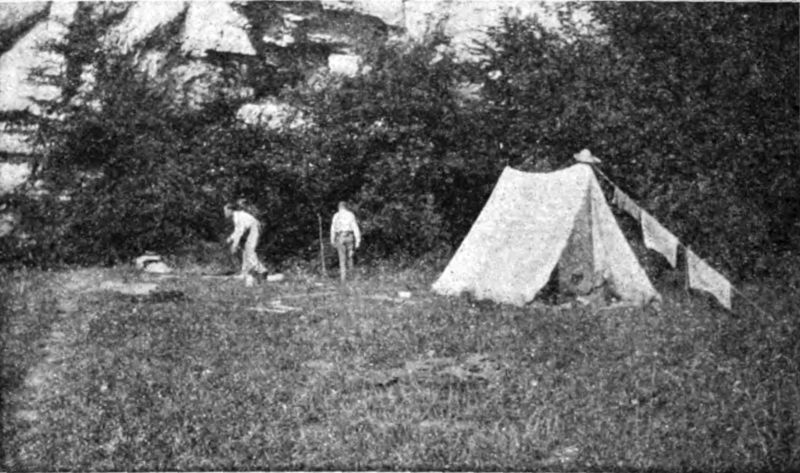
<point>180,44</point>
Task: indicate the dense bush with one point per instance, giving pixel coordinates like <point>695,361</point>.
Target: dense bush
<point>399,143</point>
<point>692,107</point>
<point>123,173</point>
<point>699,126</point>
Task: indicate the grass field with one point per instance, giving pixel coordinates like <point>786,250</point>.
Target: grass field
<point>353,380</point>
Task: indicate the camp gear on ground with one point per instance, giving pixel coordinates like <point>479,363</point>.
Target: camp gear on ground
<point>146,259</point>
<point>152,263</point>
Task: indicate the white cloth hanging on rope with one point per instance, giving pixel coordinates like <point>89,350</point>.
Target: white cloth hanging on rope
<point>627,204</point>
<point>658,238</point>
<point>705,278</point>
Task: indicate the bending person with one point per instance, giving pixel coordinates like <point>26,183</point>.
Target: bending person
<point>245,222</point>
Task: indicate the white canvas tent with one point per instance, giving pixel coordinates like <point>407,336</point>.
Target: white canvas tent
<point>535,223</point>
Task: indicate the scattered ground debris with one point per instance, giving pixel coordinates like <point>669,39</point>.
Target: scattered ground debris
<point>267,309</point>
<point>474,368</point>
<point>145,259</point>
<point>280,305</point>
<point>275,306</point>
<point>156,297</point>
<point>320,366</point>
<point>388,298</point>
<point>152,263</point>
<point>563,455</point>
<point>131,289</point>
<point>309,295</point>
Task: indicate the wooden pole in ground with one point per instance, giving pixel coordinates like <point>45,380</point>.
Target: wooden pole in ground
<point>321,246</point>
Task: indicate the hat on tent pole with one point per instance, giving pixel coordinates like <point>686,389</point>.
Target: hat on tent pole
<point>585,156</point>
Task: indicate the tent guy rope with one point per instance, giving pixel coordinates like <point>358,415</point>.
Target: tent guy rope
<point>733,287</point>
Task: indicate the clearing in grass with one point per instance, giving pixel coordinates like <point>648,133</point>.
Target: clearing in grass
<point>356,377</point>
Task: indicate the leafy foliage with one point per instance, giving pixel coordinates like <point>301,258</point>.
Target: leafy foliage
<point>394,141</point>
<point>692,107</point>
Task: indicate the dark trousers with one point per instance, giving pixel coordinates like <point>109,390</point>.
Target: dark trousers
<point>345,246</point>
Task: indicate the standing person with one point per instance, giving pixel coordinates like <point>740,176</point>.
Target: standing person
<point>344,235</point>
<point>245,222</point>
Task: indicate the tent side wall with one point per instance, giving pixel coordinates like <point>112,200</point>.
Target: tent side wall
<point>517,240</point>
<point>614,259</point>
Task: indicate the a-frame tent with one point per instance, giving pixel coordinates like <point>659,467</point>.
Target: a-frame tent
<point>535,223</point>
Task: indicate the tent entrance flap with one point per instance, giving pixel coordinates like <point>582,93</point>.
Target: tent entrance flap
<point>575,270</point>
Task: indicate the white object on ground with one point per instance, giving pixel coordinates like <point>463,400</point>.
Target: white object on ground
<point>275,277</point>
<point>279,306</point>
<point>133,289</point>
<point>143,260</point>
<point>275,306</point>
<point>152,263</point>
<point>157,267</point>
<point>404,294</point>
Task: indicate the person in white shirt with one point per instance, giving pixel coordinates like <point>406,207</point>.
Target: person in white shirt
<point>245,222</point>
<point>345,236</point>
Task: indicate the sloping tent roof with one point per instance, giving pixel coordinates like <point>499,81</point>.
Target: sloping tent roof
<point>523,230</point>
